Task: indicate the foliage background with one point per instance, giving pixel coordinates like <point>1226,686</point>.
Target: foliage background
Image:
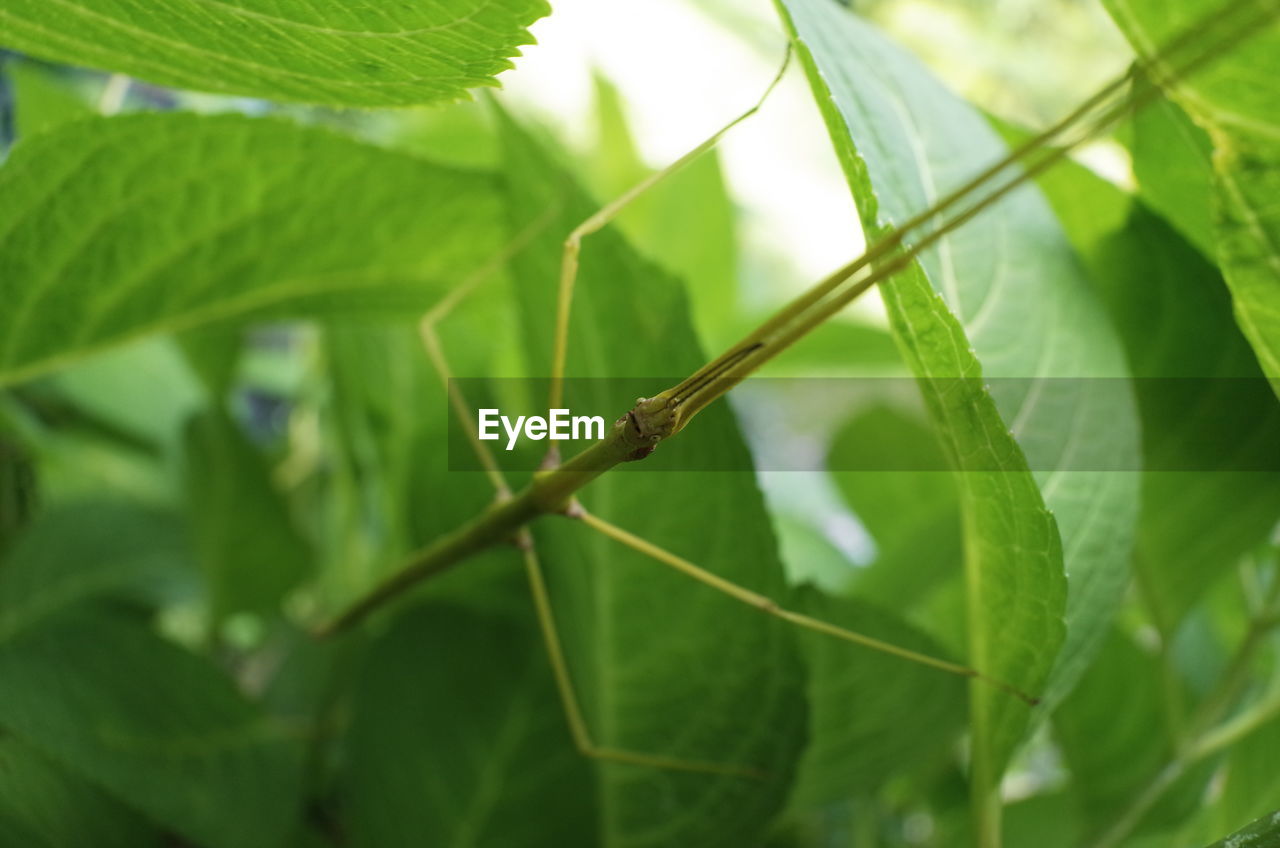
<point>218,427</point>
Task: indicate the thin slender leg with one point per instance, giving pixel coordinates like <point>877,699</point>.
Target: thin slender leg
<point>771,607</point>
<point>435,352</point>
<point>569,700</point>
<point>431,341</point>
<point>537,583</point>
<point>573,243</point>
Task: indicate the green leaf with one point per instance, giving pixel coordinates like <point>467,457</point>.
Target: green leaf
<point>143,392</point>
<point>913,516</point>
<point>249,549</point>
<point>839,347</point>
<point>388,489</point>
<point>42,806</point>
<point>84,551</point>
<point>1248,231</point>
<point>213,354</point>
<point>18,490</point>
<point>465,745</point>
<point>1113,730</point>
<point>1088,207</point>
<point>321,52</point>
<point>42,97</point>
<point>1010,302</point>
<point>872,716</point>
<point>663,666</point>
<point>1233,99</point>
<point>115,228</point>
<point>1263,833</point>
<point>1172,163</point>
<point>1252,782</point>
<point>1117,736</point>
<point>1045,821</point>
<point>1195,525</point>
<point>158,727</point>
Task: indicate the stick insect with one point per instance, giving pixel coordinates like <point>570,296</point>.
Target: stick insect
<point>640,430</point>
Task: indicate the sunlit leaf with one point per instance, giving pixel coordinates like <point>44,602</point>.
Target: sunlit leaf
<point>313,52</point>
<point>116,228</point>
<point>989,317</point>
<point>1233,98</point>
<point>1172,163</point>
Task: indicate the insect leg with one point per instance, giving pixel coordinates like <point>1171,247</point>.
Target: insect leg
<point>569,700</point>
<point>771,607</point>
<point>573,243</point>
<point>435,352</point>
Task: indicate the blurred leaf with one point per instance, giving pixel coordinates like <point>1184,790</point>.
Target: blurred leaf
<point>1195,408</point>
<point>43,98</point>
<point>663,666</point>
<point>1114,730</point>
<point>1195,524</point>
<point>214,355</point>
<point>838,347</point>
<point>18,492</point>
<point>1172,162</point>
<point>142,391</point>
<point>1045,821</point>
<point>459,134</point>
<point>249,550</point>
<point>1116,735</point>
<point>158,727</point>
<point>913,516</point>
<point>1234,98</point>
<point>1088,207</point>
<point>1248,231</point>
<point>458,738</point>
<point>386,478</point>
<point>685,223</point>
<point>873,716</point>
<point>1014,559</point>
<point>325,52</point>
<point>41,806</point>
<point>89,550</point>
<point>807,552</point>
<point>1252,782</point>
<point>1263,833</point>
<point>150,223</point>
